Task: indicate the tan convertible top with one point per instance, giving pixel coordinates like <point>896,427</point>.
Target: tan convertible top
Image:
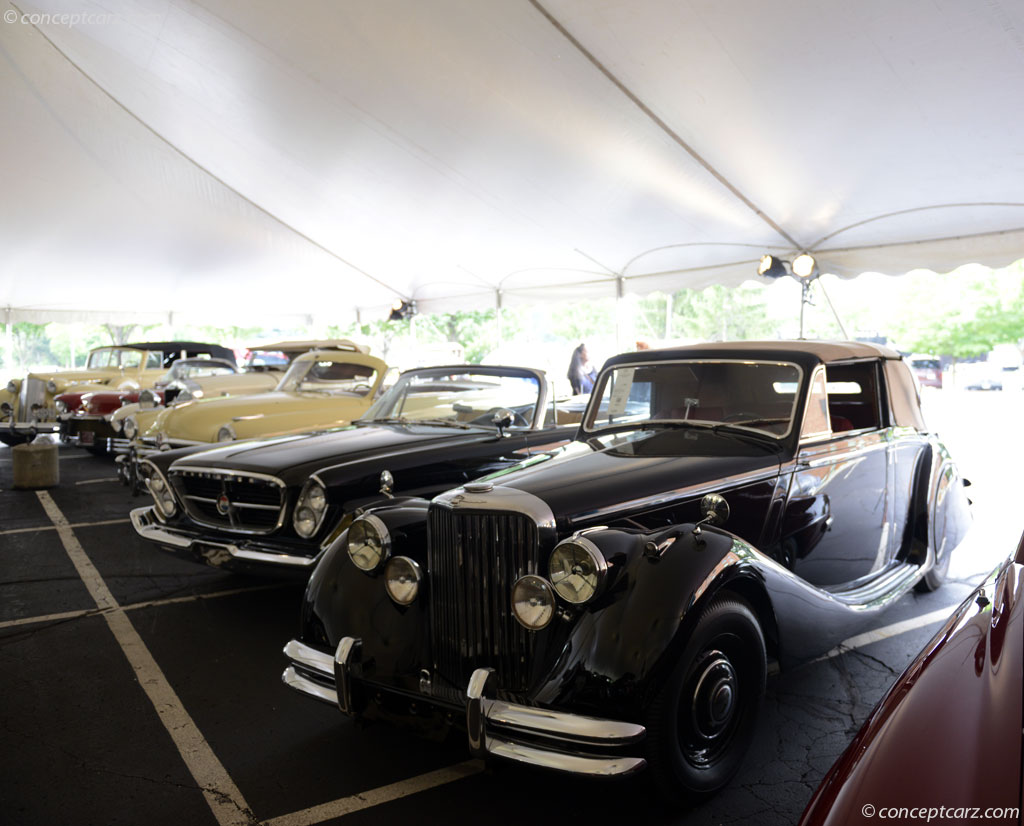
<point>314,344</point>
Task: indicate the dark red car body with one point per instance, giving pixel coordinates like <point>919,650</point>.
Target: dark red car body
<point>949,731</point>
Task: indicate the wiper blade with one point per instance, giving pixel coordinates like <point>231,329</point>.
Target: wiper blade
<point>444,423</point>
<point>398,420</point>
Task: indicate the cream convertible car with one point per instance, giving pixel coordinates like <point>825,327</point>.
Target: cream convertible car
<point>322,389</point>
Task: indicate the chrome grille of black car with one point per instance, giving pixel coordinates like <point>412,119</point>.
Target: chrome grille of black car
<point>474,559</point>
<point>229,500</point>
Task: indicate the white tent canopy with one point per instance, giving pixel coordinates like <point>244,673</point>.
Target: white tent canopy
<point>228,160</point>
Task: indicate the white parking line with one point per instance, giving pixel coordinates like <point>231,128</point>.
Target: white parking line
<point>374,797</point>
<point>220,791</point>
<point>104,480</point>
<point>888,631</point>
<point>72,525</point>
<point>134,606</point>
<point>47,618</point>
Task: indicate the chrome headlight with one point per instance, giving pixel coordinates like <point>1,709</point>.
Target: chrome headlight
<point>62,407</point>
<point>226,434</point>
<point>533,603</point>
<point>147,398</point>
<point>577,569</point>
<point>310,509</point>
<point>51,387</point>
<point>160,490</point>
<point>12,387</point>
<point>369,543</point>
<point>402,579</point>
<point>131,427</point>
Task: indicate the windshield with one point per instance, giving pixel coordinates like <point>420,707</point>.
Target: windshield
<point>754,395</point>
<point>188,368</point>
<point>105,357</point>
<point>468,397</point>
<point>335,378</point>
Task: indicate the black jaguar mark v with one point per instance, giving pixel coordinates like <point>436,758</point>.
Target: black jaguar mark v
<point>583,611</point>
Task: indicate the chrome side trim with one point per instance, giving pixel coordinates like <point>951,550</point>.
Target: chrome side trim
<point>185,467</point>
<point>148,527</point>
<point>558,761</point>
<point>666,497</point>
<point>501,498</point>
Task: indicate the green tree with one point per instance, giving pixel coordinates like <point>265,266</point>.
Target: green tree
<point>31,345</point>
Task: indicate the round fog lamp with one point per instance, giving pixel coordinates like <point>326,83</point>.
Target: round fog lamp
<point>368,543</point>
<point>131,428</point>
<point>577,568</point>
<point>402,579</point>
<point>533,602</point>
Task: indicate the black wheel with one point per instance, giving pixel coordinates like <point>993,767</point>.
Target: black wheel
<point>701,722</point>
<point>934,579</point>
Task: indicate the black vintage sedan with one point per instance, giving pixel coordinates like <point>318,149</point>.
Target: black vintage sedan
<point>586,611</point>
<point>274,505</point>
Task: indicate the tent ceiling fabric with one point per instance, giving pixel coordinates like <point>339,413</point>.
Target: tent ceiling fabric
<point>240,159</point>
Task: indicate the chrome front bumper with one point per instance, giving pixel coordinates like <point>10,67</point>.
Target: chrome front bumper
<point>212,551</point>
<point>31,428</point>
<point>536,736</point>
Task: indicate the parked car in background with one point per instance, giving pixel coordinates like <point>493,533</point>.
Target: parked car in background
<point>86,416</point>
<point>927,370</point>
<point>28,406</point>
<point>585,612</point>
<point>274,505</point>
<point>322,388</point>
<point>264,367</point>
<point>955,716</point>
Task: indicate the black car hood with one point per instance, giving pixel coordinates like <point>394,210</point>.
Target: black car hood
<point>293,458</point>
<point>575,483</point>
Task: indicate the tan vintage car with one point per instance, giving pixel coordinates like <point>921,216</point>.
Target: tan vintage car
<point>28,406</point>
<point>322,389</point>
<point>264,367</point>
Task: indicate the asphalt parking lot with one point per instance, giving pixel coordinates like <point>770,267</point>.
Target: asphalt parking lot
<point>138,688</point>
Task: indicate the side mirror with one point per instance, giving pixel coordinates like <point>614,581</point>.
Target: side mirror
<point>502,420</point>
<point>715,511</point>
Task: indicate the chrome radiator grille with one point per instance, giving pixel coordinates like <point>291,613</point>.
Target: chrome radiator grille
<point>231,501</point>
<point>33,392</point>
<point>474,559</point>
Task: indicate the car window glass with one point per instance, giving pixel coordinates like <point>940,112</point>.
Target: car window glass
<point>754,395</point>
<point>853,399</point>
<point>339,378</point>
<point>816,423</point>
<point>131,358</point>
<point>469,397</point>
<point>153,360</point>
<point>99,358</point>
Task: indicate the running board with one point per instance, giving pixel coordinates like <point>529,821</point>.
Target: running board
<point>882,590</point>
